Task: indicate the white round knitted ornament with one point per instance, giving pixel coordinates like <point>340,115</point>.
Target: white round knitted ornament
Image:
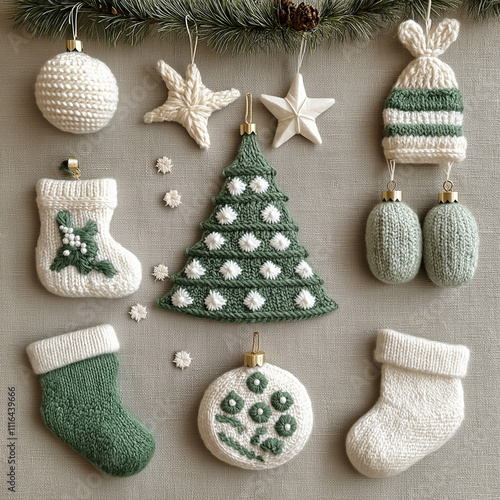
<point>76,93</point>
<point>257,416</point>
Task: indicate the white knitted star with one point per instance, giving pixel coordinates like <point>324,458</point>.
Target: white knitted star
<point>160,272</point>
<point>254,300</point>
<point>194,270</point>
<point>305,300</point>
<point>138,312</point>
<point>181,298</point>
<point>215,301</point>
<point>164,165</point>
<point>230,270</point>
<point>296,113</point>
<point>182,359</point>
<point>189,102</point>
<point>172,199</point>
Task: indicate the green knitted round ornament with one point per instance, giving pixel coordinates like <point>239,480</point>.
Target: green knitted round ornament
<point>393,242</point>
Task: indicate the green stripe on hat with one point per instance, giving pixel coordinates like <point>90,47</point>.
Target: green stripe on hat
<point>423,129</point>
<point>425,100</point>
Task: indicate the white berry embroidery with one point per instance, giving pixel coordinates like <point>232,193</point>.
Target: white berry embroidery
<point>254,301</point>
<point>164,165</point>
<point>236,186</point>
<point>226,215</point>
<point>269,270</point>
<point>182,359</point>
<point>172,199</point>
<point>279,242</point>
<point>230,270</point>
<point>194,270</point>
<point>138,312</point>
<point>214,241</point>
<point>259,185</point>
<point>303,269</point>
<point>270,214</point>
<point>181,298</point>
<point>248,242</point>
<point>215,301</point>
<point>160,272</point>
<point>305,300</point>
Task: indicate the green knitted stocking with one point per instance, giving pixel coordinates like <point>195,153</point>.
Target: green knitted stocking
<point>81,405</point>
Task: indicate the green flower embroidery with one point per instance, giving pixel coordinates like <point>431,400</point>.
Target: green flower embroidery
<point>232,403</point>
<point>272,445</point>
<point>260,413</point>
<point>285,426</point>
<point>257,383</point>
<point>281,401</point>
<point>79,248</point>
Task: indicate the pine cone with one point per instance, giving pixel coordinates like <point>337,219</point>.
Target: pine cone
<point>302,17</point>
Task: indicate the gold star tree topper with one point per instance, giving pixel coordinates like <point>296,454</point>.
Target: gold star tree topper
<point>296,113</point>
<point>189,102</point>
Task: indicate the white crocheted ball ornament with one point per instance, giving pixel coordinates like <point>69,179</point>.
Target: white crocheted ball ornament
<point>255,418</point>
<point>76,93</point>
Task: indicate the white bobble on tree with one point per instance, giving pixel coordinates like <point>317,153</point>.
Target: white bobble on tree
<point>75,92</point>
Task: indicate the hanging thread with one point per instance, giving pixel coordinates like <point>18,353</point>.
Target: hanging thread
<point>391,165</point>
<point>302,53</point>
<point>428,21</point>
<point>192,46</point>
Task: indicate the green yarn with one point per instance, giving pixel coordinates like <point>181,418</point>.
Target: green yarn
<point>232,403</point>
<point>272,445</point>
<point>81,405</point>
<point>257,383</point>
<point>393,242</point>
<point>285,426</point>
<point>423,129</point>
<point>280,295</point>
<point>232,421</point>
<point>261,431</point>
<point>239,448</point>
<point>276,400</point>
<point>84,261</point>
<point>255,440</point>
<point>425,99</point>
<point>260,413</point>
<point>451,244</point>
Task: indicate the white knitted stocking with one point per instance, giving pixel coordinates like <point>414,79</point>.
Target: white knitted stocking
<point>421,404</point>
<point>75,255</point>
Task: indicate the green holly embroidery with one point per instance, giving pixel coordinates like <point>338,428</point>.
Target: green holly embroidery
<point>272,445</point>
<point>260,413</point>
<point>281,401</point>
<point>232,403</point>
<point>79,248</point>
<point>285,426</point>
<point>257,383</point>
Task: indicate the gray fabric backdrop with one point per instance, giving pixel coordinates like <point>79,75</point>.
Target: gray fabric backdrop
<point>332,189</point>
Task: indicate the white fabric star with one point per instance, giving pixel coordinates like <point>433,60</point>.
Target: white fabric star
<point>138,312</point>
<point>189,102</point>
<point>182,359</point>
<point>160,272</point>
<point>296,113</point>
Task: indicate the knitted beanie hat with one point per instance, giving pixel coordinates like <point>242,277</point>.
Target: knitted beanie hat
<point>424,111</point>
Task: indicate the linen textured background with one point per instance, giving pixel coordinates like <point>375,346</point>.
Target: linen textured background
<point>332,189</point>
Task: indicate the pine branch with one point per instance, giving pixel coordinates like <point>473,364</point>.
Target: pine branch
<point>242,25</point>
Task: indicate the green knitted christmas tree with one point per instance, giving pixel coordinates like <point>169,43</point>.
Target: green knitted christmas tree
<point>249,266</point>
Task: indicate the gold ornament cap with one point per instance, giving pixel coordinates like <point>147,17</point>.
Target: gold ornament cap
<point>449,196</point>
<point>256,357</point>
<point>74,45</point>
<point>248,127</point>
<point>391,194</point>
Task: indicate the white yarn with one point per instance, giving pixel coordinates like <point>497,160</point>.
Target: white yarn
<point>76,93</point>
<point>86,200</point>
<point>49,354</point>
<point>235,380</point>
<point>421,404</point>
<point>394,116</point>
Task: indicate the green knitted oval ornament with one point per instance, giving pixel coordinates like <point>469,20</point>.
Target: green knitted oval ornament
<point>451,244</point>
<point>393,242</point>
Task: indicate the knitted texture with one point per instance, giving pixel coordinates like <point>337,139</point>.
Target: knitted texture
<point>421,404</point>
<point>75,255</point>
<point>255,418</point>
<point>451,244</point>
<point>423,113</point>
<point>393,242</point>
<point>249,265</point>
<point>81,404</point>
<point>189,102</point>
<point>76,93</point>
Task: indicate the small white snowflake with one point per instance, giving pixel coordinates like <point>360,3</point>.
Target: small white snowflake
<point>138,312</point>
<point>259,185</point>
<point>279,242</point>
<point>182,359</point>
<point>164,165</point>
<point>303,269</point>
<point>248,242</point>
<point>214,241</point>
<point>270,214</point>
<point>181,298</point>
<point>194,270</point>
<point>172,199</point>
<point>215,301</point>
<point>226,215</point>
<point>230,270</point>
<point>305,300</point>
<point>269,270</point>
<point>160,272</point>
<point>236,186</point>
<point>254,301</point>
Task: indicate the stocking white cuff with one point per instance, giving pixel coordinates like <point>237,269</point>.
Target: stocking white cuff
<point>49,354</point>
<point>415,353</point>
<point>76,194</point>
